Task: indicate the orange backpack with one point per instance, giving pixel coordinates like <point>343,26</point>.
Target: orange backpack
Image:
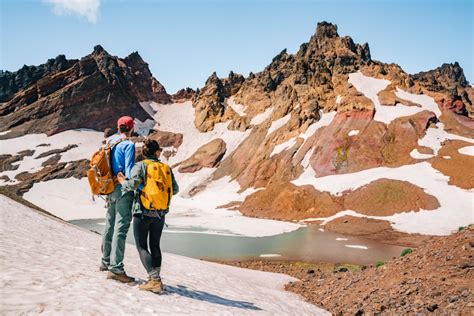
<point>100,176</point>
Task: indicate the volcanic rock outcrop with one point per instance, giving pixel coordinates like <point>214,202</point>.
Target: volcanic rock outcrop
<point>208,155</point>
<point>183,95</point>
<point>209,101</point>
<point>62,94</point>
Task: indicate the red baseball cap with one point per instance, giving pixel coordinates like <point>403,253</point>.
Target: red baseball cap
<point>127,121</point>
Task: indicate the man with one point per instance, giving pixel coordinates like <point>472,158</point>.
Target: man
<point>119,207</point>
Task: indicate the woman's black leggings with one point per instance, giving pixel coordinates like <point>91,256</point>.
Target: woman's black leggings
<point>152,227</point>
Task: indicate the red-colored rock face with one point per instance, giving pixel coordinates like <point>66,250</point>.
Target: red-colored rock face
<point>332,144</point>
<point>167,139</point>
<point>90,93</point>
<point>208,155</point>
<point>375,145</point>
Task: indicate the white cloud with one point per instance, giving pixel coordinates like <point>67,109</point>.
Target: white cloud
<point>86,8</point>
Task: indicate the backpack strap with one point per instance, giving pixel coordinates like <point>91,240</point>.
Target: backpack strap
<point>111,145</point>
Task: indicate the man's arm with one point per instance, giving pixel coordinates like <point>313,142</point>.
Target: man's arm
<point>129,155</point>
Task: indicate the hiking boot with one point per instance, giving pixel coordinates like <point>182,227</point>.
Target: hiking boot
<point>123,277</point>
<point>103,268</point>
<point>153,285</point>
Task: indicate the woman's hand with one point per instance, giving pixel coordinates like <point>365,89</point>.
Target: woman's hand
<point>121,178</point>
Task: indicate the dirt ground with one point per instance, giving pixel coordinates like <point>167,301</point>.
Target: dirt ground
<point>437,277</point>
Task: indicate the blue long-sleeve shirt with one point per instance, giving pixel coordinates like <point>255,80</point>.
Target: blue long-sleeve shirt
<point>123,156</point>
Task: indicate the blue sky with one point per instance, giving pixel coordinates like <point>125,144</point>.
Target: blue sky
<point>185,41</point>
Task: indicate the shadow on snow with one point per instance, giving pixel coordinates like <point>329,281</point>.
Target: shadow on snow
<point>207,297</point>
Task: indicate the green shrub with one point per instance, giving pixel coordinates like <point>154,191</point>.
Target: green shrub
<point>406,251</point>
<point>461,228</point>
<point>379,264</point>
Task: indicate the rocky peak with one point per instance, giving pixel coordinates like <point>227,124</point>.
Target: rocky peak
<point>98,49</point>
<point>447,76</point>
<point>66,94</point>
<point>183,95</point>
<point>326,41</point>
<point>233,83</point>
<point>326,30</point>
<point>209,101</point>
<point>448,86</point>
<point>12,82</point>
<point>149,89</point>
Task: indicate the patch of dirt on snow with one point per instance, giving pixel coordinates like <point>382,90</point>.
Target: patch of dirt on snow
<point>374,229</point>
<point>459,167</point>
<point>385,197</point>
<point>286,201</point>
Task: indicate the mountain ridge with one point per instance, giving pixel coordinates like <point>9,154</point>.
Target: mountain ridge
<point>328,111</point>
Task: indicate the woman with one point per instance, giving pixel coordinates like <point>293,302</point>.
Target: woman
<point>148,222</point>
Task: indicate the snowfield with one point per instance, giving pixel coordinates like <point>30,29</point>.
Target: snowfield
<point>68,199</point>
<point>456,204</point>
<point>87,141</point>
<point>370,87</point>
<point>166,116</point>
<point>49,266</point>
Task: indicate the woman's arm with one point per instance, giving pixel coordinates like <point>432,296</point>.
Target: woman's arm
<point>175,184</point>
<point>136,178</point>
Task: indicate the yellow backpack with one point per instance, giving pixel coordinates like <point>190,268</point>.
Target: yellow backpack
<point>158,190</point>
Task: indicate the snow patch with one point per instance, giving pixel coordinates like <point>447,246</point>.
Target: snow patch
<point>341,239</point>
<point>353,132</point>
<point>338,99</point>
<point>281,147</point>
<point>143,128</point>
<point>435,136</point>
<point>426,102</point>
<point>179,118</point>
<point>447,157</point>
<point>468,150</point>
<point>325,120</point>
<point>148,108</point>
<point>269,255</point>
<point>417,155</point>
<point>87,141</point>
<point>262,117</point>
<point>356,247</point>
<point>238,108</point>
<point>70,199</point>
<point>278,123</point>
<point>370,87</point>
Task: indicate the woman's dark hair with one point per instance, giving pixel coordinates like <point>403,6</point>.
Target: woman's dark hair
<point>150,147</point>
<point>123,129</point>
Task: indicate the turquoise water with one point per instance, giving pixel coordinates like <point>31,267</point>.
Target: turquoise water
<point>305,244</point>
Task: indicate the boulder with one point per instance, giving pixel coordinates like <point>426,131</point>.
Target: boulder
<point>206,156</point>
<point>167,139</point>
